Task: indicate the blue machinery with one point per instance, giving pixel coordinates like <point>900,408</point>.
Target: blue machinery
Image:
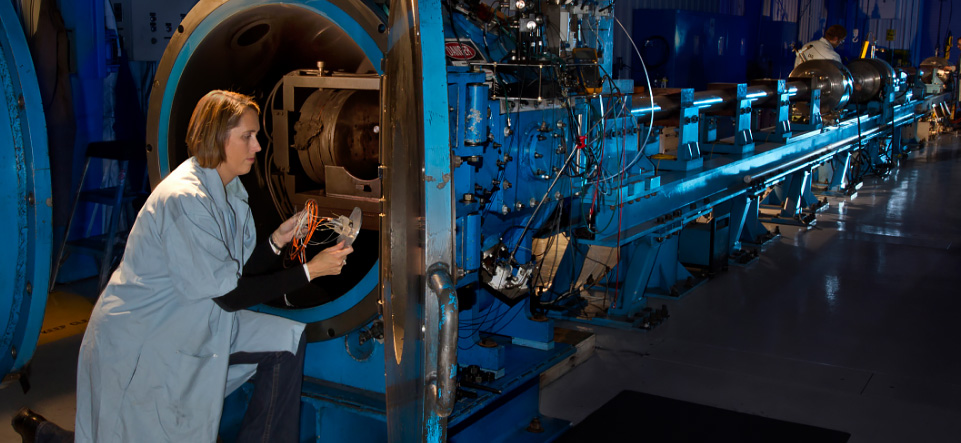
<point>531,140</point>
<point>443,319</point>
<point>25,200</point>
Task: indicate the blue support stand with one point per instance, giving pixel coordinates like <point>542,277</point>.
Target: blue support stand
<point>748,229</point>
<point>743,141</point>
<point>782,110</point>
<point>833,177</point>
<point>650,267</point>
<point>734,214</point>
<point>688,156</point>
<point>705,244</point>
<point>814,120</point>
<point>796,202</point>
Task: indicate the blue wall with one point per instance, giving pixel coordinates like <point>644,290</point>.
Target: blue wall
<point>771,27</point>
<point>942,16</point>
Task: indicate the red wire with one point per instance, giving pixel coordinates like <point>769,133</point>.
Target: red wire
<point>298,248</point>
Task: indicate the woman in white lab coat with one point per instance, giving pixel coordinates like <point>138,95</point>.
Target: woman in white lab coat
<point>168,338</point>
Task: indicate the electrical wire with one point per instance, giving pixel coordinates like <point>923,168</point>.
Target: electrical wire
<point>307,225</point>
<point>280,201</point>
<point>650,92</point>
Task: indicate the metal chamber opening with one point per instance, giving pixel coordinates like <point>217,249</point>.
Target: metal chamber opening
<point>250,50</point>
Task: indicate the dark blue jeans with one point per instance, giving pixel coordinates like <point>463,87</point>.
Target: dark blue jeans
<point>273,414</point>
<point>49,432</point>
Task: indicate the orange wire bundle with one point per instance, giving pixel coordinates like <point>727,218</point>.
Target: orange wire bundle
<point>309,222</point>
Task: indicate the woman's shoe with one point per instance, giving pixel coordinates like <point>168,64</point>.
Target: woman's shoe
<point>25,422</point>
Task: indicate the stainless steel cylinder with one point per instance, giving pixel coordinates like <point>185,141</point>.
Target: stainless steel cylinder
<point>831,77</point>
<point>339,128</point>
<point>870,77</point>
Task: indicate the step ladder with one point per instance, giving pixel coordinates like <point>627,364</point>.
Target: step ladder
<point>105,248</point>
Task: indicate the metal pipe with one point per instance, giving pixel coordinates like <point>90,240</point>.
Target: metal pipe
<point>667,105</point>
<point>759,94</point>
<point>442,286</point>
<point>799,89</point>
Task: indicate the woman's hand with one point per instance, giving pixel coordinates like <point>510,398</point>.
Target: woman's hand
<point>285,232</point>
<point>329,261</point>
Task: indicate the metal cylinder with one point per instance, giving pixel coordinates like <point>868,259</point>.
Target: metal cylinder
<point>667,105</point>
<point>888,75</point>
<point>475,122</point>
<point>337,127</point>
<point>870,77</point>
<point>760,95</point>
<point>831,77</point>
<point>868,81</point>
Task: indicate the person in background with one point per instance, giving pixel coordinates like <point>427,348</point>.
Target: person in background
<point>954,69</point>
<point>824,47</point>
<point>956,54</point>
<point>170,337</point>
<point>956,66</point>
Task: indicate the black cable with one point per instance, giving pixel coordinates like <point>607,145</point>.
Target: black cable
<point>450,19</point>
<point>937,42</point>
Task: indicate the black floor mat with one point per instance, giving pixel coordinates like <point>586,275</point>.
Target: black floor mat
<point>635,416</point>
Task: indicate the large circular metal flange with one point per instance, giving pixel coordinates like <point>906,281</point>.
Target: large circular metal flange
<point>25,199</point>
<point>831,77</point>
<point>932,66</point>
<point>868,80</point>
<point>870,77</point>
<point>248,46</point>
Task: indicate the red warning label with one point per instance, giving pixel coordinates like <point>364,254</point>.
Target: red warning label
<point>460,51</point>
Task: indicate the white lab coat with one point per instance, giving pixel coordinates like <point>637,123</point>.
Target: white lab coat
<point>153,363</point>
<point>820,49</point>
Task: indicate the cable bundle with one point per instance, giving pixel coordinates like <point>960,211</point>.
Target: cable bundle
<point>309,222</point>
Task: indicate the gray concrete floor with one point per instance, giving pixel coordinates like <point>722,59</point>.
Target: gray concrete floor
<point>850,325</point>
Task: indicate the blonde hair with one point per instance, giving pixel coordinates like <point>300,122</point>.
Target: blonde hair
<point>215,114</point>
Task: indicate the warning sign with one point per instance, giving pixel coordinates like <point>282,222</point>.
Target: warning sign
<point>890,35</point>
<point>460,51</point>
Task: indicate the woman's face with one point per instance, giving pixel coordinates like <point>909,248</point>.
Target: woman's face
<point>241,148</point>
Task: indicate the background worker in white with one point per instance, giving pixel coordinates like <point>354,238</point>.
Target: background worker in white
<point>169,337</point>
<point>823,48</point>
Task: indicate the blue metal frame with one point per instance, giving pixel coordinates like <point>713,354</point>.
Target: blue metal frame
<point>25,202</point>
<point>743,140</point>
<point>729,186</point>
